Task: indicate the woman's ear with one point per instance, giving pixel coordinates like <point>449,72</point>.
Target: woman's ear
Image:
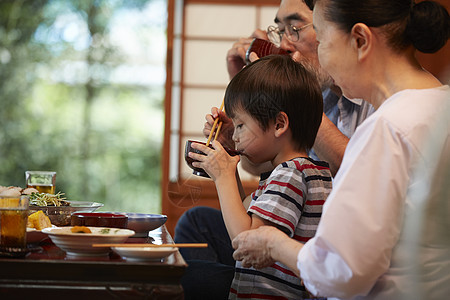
<point>362,39</point>
<point>281,124</point>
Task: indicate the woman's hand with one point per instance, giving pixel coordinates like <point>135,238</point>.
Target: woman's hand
<point>216,162</point>
<point>252,247</point>
<point>226,132</point>
<point>262,247</point>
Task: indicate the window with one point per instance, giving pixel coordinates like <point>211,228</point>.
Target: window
<point>82,89</point>
<point>200,34</point>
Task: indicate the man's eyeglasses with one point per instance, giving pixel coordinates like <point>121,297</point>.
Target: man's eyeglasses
<point>275,35</point>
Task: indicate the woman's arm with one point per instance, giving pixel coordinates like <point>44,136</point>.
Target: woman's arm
<point>364,211</point>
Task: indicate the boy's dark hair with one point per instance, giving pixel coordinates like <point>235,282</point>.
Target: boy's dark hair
<point>275,84</point>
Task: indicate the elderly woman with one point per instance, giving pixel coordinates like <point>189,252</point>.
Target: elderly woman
<point>368,48</point>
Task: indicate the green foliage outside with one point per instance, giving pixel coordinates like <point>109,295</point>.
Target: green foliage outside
<point>75,101</point>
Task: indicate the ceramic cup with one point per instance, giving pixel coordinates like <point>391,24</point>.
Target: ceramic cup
<point>199,171</point>
<point>263,48</point>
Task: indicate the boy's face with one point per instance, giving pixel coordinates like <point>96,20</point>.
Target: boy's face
<point>251,139</point>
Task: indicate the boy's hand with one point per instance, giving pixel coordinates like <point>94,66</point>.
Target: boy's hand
<point>217,163</point>
<point>226,132</point>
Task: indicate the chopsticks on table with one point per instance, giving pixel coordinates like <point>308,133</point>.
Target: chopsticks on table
<point>214,127</point>
<point>179,245</point>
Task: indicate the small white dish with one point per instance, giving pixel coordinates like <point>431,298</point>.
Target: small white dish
<point>144,253</point>
<point>35,236</point>
<point>80,244</point>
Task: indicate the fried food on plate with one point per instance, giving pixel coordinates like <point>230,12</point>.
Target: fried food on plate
<point>38,220</point>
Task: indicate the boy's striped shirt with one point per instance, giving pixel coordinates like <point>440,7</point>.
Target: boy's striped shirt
<point>291,197</point>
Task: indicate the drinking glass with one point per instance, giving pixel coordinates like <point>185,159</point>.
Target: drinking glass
<point>13,221</point>
<point>43,181</point>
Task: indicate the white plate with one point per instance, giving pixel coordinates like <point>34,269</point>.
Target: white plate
<point>145,253</point>
<point>80,244</point>
<point>35,236</point>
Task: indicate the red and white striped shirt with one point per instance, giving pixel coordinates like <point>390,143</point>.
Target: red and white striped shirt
<point>291,197</point>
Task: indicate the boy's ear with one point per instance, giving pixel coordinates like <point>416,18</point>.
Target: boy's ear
<point>281,124</point>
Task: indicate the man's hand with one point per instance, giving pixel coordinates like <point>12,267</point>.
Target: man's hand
<point>236,55</point>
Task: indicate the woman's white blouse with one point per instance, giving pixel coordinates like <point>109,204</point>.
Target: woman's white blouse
<point>356,250</point>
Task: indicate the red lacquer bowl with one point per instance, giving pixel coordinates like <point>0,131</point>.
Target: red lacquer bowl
<point>99,219</point>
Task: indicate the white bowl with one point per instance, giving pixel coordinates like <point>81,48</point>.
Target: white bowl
<point>80,244</point>
<point>35,236</point>
<point>143,223</point>
<point>145,253</point>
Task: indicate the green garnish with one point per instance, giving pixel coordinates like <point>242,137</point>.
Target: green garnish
<point>44,199</point>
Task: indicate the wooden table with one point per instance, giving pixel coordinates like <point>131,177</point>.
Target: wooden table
<point>50,274</point>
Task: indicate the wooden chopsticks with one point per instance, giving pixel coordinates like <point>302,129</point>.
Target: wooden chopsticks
<point>180,245</point>
<point>214,127</point>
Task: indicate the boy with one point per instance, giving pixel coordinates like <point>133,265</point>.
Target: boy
<point>276,108</point>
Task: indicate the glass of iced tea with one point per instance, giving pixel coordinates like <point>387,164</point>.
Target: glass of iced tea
<point>13,221</point>
<point>43,181</point>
